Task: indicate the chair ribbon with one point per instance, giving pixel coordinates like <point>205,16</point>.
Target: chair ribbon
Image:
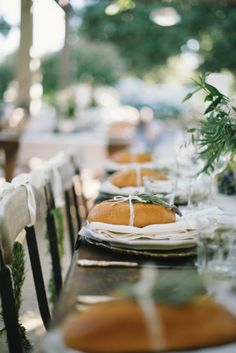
<point>22,180</point>
<point>50,169</point>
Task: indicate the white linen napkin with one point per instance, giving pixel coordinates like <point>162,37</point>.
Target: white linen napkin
<point>183,228</point>
<point>113,166</point>
<point>162,187</point>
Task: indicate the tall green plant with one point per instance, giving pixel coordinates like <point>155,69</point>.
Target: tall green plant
<point>216,132</point>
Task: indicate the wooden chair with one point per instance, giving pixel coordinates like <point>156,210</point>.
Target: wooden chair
<point>65,168</point>
<point>14,217</point>
<point>67,172</point>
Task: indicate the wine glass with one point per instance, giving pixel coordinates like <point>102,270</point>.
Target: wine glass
<point>219,166</point>
<point>188,165</point>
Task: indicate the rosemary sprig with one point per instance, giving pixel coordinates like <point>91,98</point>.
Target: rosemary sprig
<point>18,277</point>
<point>18,272</point>
<point>216,133</point>
<point>58,216</point>
<point>146,198</point>
<point>150,198</point>
<point>171,288</point>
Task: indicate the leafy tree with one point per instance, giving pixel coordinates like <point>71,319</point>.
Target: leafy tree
<point>97,63</point>
<point>7,73</point>
<point>50,70</point>
<point>4,26</point>
<point>94,63</point>
<point>6,68</point>
<point>145,45</point>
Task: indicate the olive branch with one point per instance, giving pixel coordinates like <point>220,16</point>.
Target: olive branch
<point>18,277</point>
<point>58,216</point>
<point>216,133</point>
<point>145,198</point>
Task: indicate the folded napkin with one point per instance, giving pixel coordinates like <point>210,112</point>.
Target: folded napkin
<point>161,187</point>
<point>108,187</point>
<point>113,166</point>
<point>183,230</point>
<point>188,235</point>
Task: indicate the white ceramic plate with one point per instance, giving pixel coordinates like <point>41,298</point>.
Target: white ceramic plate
<point>53,343</point>
<point>140,244</point>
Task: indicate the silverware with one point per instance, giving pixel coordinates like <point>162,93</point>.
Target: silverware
<point>104,263</point>
<point>94,299</point>
<point>96,263</point>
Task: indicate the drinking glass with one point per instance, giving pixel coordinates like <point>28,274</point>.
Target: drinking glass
<point>188,166</point>
<point>216,245</point>
<point>162,188</point>
<point>219,167</point>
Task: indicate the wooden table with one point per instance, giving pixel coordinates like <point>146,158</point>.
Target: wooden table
<point>102,281</point>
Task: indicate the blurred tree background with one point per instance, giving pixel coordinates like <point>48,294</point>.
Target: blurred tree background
<point>7,68</point>
<point>144,45</point>
<point>108,44</point>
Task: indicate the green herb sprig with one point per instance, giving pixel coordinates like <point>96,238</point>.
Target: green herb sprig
<point>145,198</point>
<point>216,134</point>
<point>150,198</point>
<point>58,216</point>
<point>18,277</point>
<point>171,288</point>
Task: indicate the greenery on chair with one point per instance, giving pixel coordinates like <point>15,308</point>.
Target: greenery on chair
<point>18,277</point>
<point>58,216</point>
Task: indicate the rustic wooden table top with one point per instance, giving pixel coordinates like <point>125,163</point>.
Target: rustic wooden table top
<point>103,280</point>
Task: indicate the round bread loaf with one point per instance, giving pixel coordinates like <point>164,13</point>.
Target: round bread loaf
<point>123,328</point>
<point>114,212</point>
<point>128,157</point>
<point>130,177</point>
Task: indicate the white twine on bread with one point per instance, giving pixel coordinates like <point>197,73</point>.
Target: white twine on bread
<point>138,175</point>
<point>150,311</point>
<point>119,199</point>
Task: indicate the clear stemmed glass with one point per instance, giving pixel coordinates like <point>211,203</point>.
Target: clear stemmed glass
<point>219,167</point>
<point>188,165</point>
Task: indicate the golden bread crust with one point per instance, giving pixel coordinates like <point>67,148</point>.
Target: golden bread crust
<point>200,323</point>
<point>113,212</point>
<point>129,177</point>
<point>128,157</point>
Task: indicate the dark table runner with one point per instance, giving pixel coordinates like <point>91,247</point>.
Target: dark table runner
<point>102,281</point>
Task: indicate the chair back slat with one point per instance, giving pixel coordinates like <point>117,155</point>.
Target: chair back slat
<point>9,309</point>
<point>14,217</point>
<point>38,275</point>
<point>66,171</point>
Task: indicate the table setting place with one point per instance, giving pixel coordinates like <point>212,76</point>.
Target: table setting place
<point>190,307</point>
<point>161,312</point>
<point>169,248</point>
<point>125,158</point>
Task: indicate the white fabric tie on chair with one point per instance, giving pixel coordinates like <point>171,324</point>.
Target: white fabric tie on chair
<point>51,166</point>
<point>22,180</point>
